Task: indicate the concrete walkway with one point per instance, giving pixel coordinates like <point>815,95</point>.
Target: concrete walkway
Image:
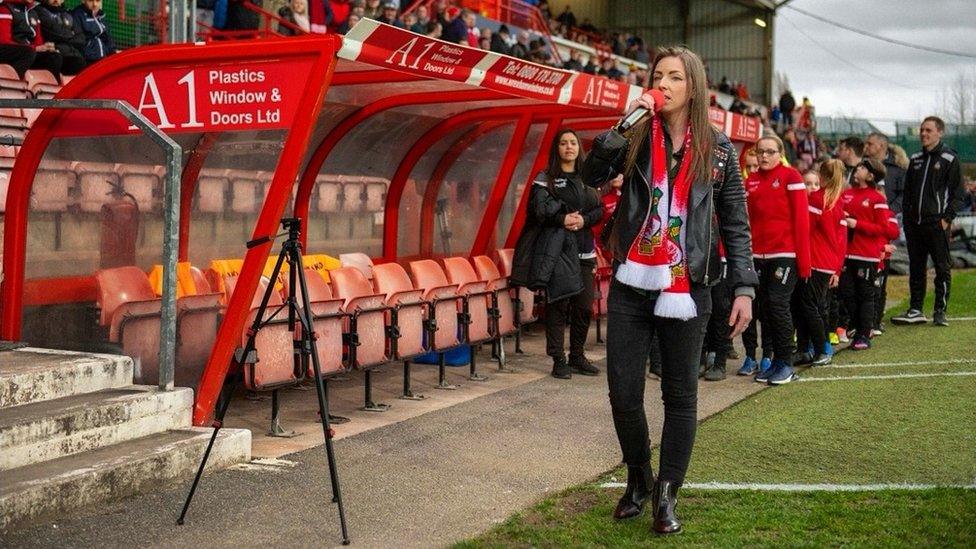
<point>428,480</point>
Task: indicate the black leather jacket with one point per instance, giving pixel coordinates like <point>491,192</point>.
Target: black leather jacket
<point>716,211</point>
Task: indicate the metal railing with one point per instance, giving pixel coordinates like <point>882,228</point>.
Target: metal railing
<point>171,211</point>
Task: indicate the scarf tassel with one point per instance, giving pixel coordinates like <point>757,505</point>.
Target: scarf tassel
<point>676,305</point>
<point>646,277</point>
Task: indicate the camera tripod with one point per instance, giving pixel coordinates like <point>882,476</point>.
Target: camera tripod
<point>299,316</point>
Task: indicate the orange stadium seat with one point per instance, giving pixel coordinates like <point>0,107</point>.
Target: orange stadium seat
<point>42,84</point>
<point>353,195</point>
<point>130,310</point>
<point>366,326</point>
<point>476,307</point>
<point>406,317</point>
<point>360,261</point>
<point>244,191</point>
<point>53,184</point>
<point>97,181</point>
<point>212,191</point>
<point>329,193</point>
<point>442,314</point>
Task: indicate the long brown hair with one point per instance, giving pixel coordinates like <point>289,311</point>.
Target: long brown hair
<point>702,138</point>
<point>555,166</point>
<point>832,181</point>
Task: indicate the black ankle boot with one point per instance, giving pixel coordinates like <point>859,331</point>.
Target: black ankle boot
<point>640,481</point>
<point>560,369</point>
<point>665,500</point>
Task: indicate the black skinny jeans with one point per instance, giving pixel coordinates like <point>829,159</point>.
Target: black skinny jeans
<point>924,241</point>
<point>777,279</point>
<point>577,310</point>
<point>858,290</point>
<point>717,336</point>
<point>631,325</point>
<point>811,302</point>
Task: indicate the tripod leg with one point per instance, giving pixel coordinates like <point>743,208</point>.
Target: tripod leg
<point>276,428</point>
<point>502,359</point>
<point>369,405</point>
<point>442,374</point>
<point>475,376</point>
<point>408,394</point>
<point>217,424</point>
<point>327,431</point>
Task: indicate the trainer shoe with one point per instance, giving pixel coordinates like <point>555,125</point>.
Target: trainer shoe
<point>876,332</point>
<point>782,373</point>
<point>832,339</point>
<point>912,316</point>
<point>861,344</point>
<point>716,372</point>
<point>765,370</point>
<point>822,359</point>
<point>749,367</point>
<point>802,359</point>
<point>842,336</point>
<point>828,349</point>
<point>580,365</point>
<point>939,318</point>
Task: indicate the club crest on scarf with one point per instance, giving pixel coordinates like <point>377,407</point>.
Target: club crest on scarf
<point>656,259</point>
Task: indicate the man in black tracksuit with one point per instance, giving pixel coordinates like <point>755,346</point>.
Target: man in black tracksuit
<point>933,195</point>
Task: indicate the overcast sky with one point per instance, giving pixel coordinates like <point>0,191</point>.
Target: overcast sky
<point>878,80</point>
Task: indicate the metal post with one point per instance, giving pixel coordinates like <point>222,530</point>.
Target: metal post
<point>177,21</point>
<point>171,211</point>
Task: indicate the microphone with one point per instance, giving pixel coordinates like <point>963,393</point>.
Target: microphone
<point>628,121</point>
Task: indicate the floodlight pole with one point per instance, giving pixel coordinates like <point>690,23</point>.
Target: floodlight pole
<point>171,211</point>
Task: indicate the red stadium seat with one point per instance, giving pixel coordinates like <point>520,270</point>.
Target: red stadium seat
<point>244,191</point>
<point>212,191</point>
<point>196,331</point>
<point>130,310</point>
<point>11,83</point>
<point>97,182</point>
<point>53,184</point>
<point>407,315</point>
<point>275,366</point>
<point>13,124</point>
<point>144,183</point>
<point>442,315</point>
<point>525,298</point>
<point>376,188</point>
<point>601,281</point>
<point>503,305</point>
<point>329,193</point>
<point>42,84</point>
<point>353,195</point>
<point>360,261</point>
<point>476,308</point>
<point>4,186</point>
<point>366,325</point>
<point>327,320</point>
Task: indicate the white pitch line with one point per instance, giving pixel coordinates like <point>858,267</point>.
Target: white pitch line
<point>916,363</point>
<point>729,486</point>
<point>891,376</point>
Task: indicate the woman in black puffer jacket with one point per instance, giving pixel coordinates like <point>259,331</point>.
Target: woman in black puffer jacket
<point>556,252</point>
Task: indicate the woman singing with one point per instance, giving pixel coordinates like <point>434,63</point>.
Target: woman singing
<point>682,194</point>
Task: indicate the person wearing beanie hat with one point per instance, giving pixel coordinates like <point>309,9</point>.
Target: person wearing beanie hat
<point>871,225</point>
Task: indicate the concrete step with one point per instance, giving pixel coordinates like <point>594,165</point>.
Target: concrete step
<point>47,489</point>
<point>33,375</point>
<point>51,429</point>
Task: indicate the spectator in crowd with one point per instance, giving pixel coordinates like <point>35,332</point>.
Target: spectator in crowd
<point>850,150</point>
<point>423,17</point>
<point>22,43</point>
<point>388,14</point>
<point>454,29</point>
<point>320,15</point>
<point>473,34</point>
<point>340,14</point>
<point>806,150</point>
<point>410,23</point>
<point>499,41</point>
<point>544,8</point>
<point>436,30</point>
<point>876,147</point>
<point>563,210</point>
<point>521,47</point>
<point>61,28</point>
<point>296,13</point>
<point>373,9</point>
<point>789,146</point>
<point>567,18</point>
<point>786,105</point>
<point>933,195</point>
<point>238,17</point>
<point>969,198</point>
<point>587,26</point>
<point>724,86</point>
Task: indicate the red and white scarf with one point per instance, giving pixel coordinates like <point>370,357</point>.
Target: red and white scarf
<point>657,259</point>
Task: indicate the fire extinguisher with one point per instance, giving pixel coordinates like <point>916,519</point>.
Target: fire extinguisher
<point>120,229</point>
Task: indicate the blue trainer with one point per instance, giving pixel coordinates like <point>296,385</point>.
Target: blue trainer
<point>782,373</point>
<point>765,370</point>
<point>828,349</point>
<point>749,366</point>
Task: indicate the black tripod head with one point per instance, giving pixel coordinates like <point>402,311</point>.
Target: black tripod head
<point>292,227</point>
